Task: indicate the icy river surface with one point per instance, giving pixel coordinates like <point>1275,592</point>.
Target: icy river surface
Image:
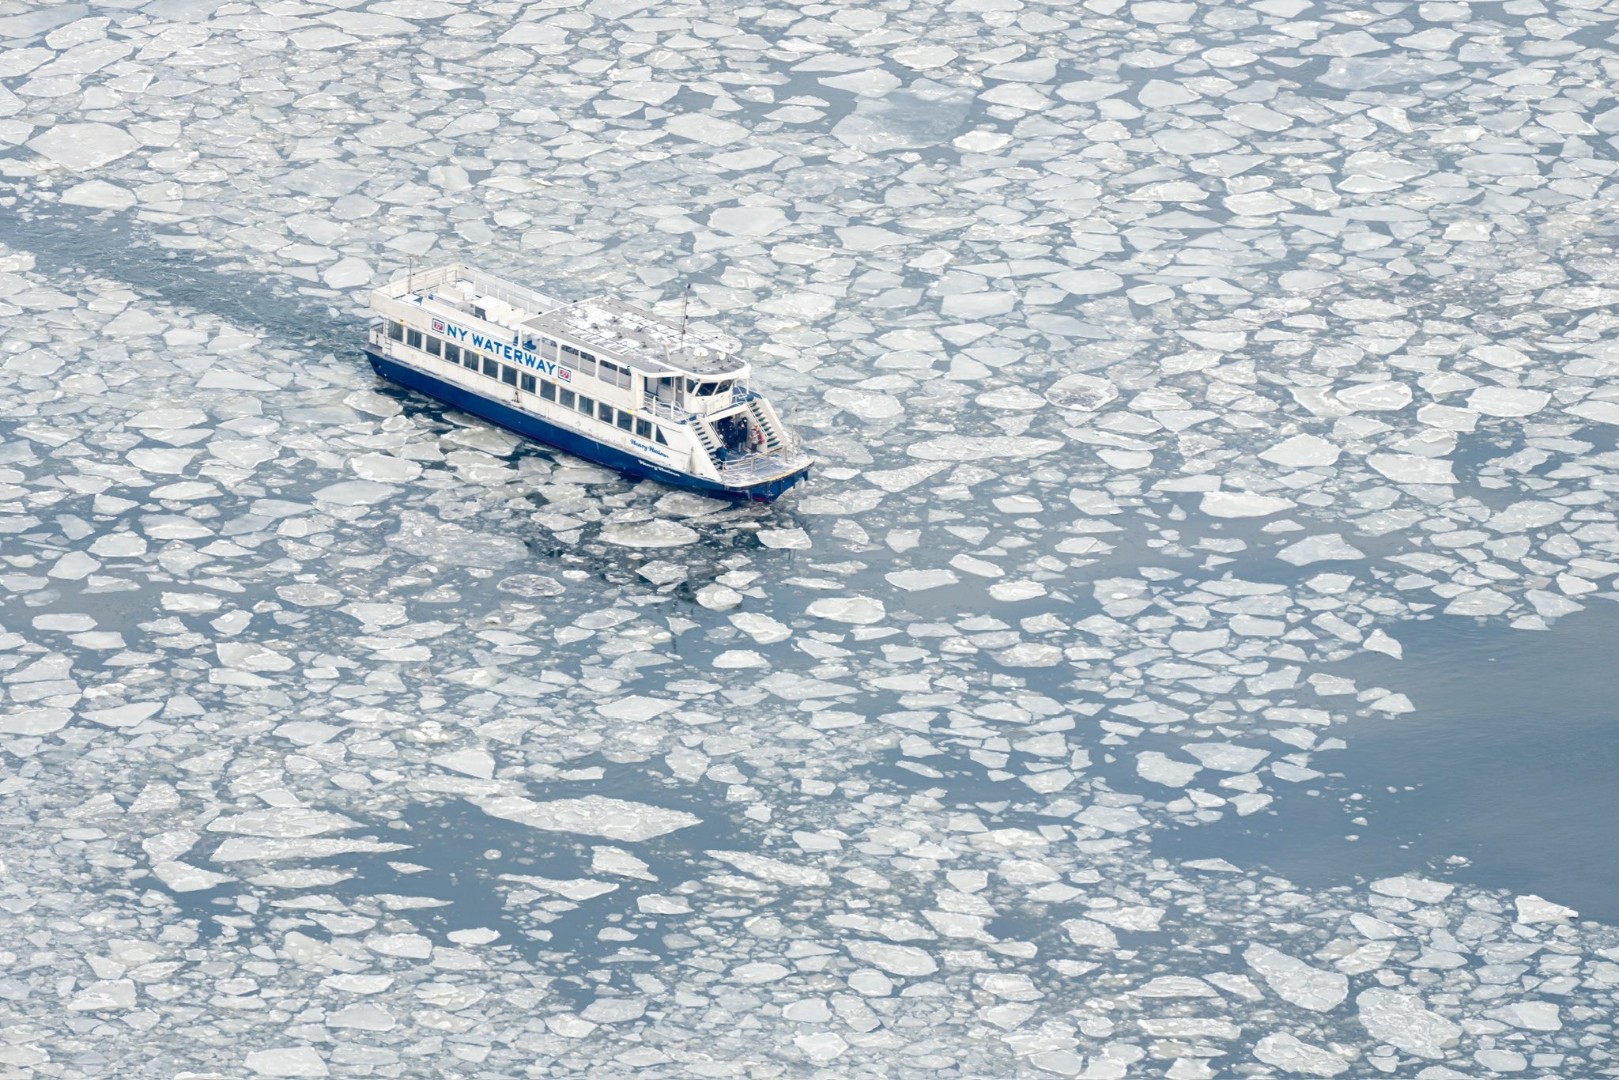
<point>1192,657</point>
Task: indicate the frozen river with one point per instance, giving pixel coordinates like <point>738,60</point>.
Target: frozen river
<point>1192,657</point>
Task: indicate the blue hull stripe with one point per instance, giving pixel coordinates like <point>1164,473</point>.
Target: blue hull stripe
<point>533,427</point>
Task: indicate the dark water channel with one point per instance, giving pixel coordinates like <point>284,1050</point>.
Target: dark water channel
<point>1510,761</point>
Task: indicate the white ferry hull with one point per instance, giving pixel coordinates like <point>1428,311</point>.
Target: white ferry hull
<point>540,430</point>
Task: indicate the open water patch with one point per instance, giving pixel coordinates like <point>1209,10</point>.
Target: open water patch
<point>1502,775</point>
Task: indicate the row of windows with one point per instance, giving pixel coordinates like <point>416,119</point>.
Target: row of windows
<point>528,382</point>
<point>577,359</point>
<point>605,370</point>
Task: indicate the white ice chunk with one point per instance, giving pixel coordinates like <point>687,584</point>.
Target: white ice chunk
<point>362,1016</point>
<point>300,1061</point>
<point>103,996</point>
<point>1081,393</point>
<point>1410,469</point>
<point>857,610</point>
<point>1140,918</point>
<point>1418,889</point>
<point>1241,504</point>
<point>183,877</point>
<point>866,404</point>
<point>383,468</point>
<point>649,534</point>
<point>99,195</point>
<point>347,273</point>
<point>282,822</point>
<point>1532,909</point>
<point>1327,547</point>
<point>769,869</point>
<point>982,448</point>
<point>245,849</point>
<point>1376,397</point>
<point>1599,412</point>
<point>1012,398</point>
<point>1226,757</point>
<point>924,57</point>
<point>473,761</point>
<point>593,815</point>
<point>1288,1053</point>
<point>355,492</point>
<point>1507,401</point>
<point>74,566</point>
<point>789,539</point>
<point>1379,641</point>
<point>636,708</point>
<point>83,146</point>
<point>1161,769</point>
<point>917,580</point>
<point>706,129</point>
<point>894,959</point>
<point>1302,451</point>
<point>1528,514</point>
<point>1530,1015</point>
<point>1111,819</point>
<point>1295,981</point>
<point>1173,986</point>
<point>1401,1020</point>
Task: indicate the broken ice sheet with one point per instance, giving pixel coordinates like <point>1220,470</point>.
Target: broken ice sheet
<point>592,815</point>
<point>1013,341</point>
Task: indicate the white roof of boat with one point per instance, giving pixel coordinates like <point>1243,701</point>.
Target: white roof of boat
<point>607,327</point>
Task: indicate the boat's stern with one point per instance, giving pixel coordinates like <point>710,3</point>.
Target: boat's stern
<point>768,491</point>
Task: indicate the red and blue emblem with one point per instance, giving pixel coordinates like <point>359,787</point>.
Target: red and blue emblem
<point>438,326</point>
<point>564,374</point>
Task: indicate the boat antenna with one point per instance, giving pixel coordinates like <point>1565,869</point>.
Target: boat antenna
<point>685,301</point>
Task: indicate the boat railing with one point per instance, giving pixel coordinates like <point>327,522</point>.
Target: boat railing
<point>665,410</point>
<point>751,468</point>
<point>524,300</point>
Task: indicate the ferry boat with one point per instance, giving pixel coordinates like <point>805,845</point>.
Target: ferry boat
<point>599,378</point>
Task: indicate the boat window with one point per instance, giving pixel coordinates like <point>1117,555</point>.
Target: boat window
<point>604,411</point>
<point>587,405</point>
<point>571,353</point>
<point>657,433</point>
<point>435,345</point>
<point>490,368</point>
<point>396,331</point>
<point>720,388</point>
<point>567,399</point>
<point>548,390</point>
<point>528,383</point>
<point>470,359</point>
<point>413,338</point>
<point>586,364</point>
<point>452,353</point>
<point>548,348</point>
<point>625,420</point>
<point>508,375</point>
<point>643,428</point>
